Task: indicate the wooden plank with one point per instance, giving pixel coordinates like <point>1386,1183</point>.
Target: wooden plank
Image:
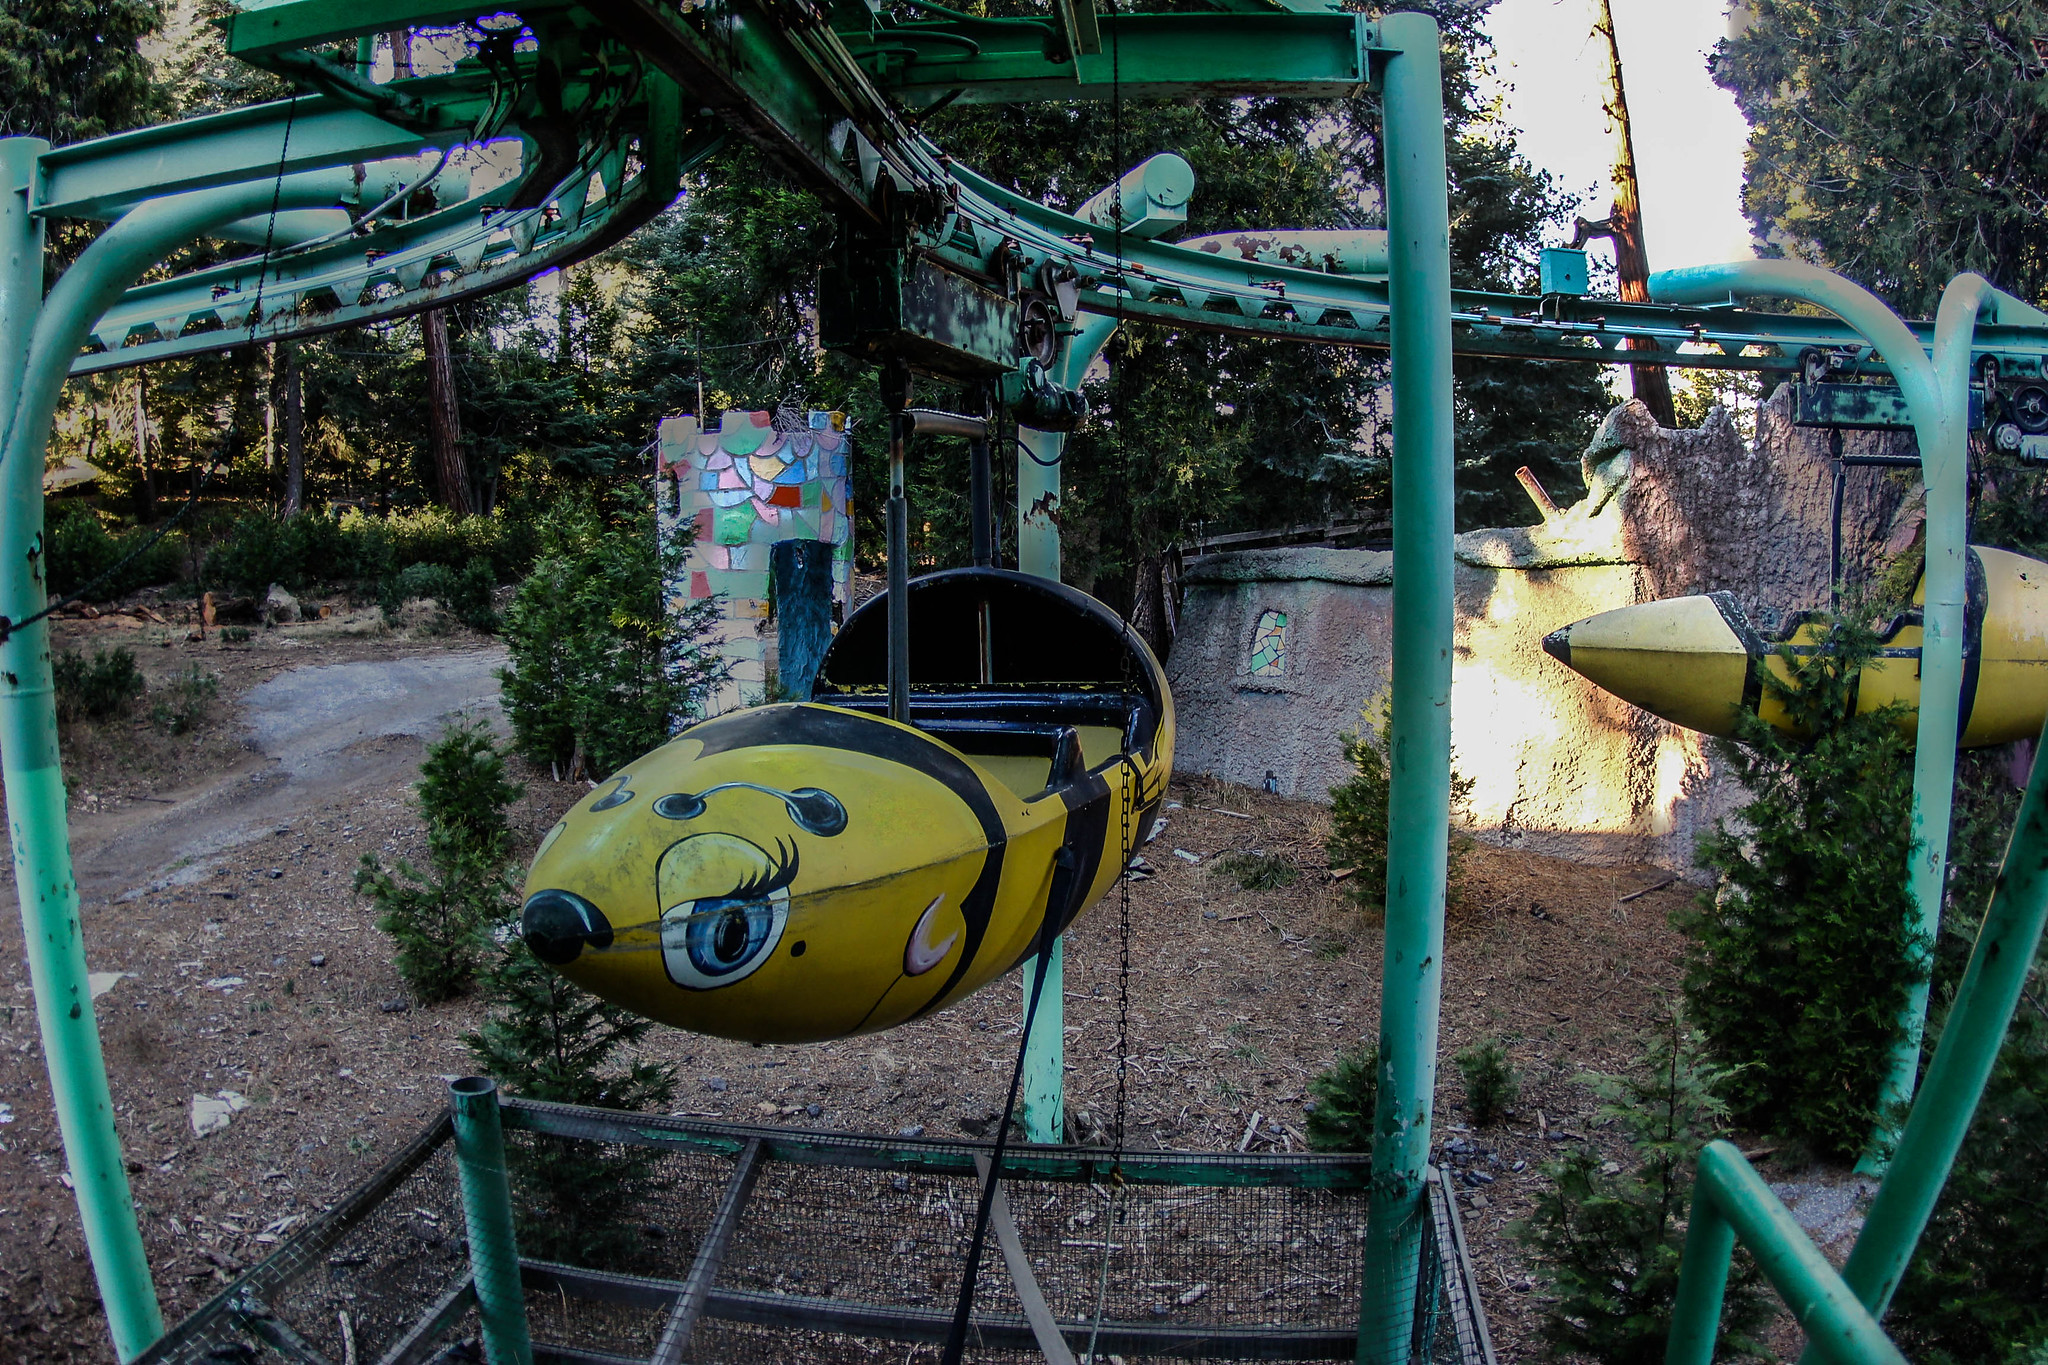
<point>1465,1304</point>
<point>682,1320</point>
<point>418,1343</point>
<point>1338,1173</point>
<point>1044,1328</point>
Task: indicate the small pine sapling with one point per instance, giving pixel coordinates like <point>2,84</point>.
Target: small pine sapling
<point>438,917</point>
<point>1491,1085</point>
<point>548,1039</point>
<point>1608,1241</point>
<point>1359,807</point>
<point>1345,1097</point>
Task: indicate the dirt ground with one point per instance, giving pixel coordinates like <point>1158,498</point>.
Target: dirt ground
<point>239,966</point>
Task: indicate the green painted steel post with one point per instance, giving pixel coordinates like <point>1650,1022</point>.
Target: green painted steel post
<point>1418,826</point>
<point>1702,1283</point>
<point>1042,1094</point>
<point>1731,1201</point>
<point>487,1207</point>
<point>1970,1041</point>
<point>1937,394</point>
<point>37,824</point>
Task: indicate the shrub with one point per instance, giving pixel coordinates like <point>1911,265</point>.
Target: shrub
<point>356,547</point>
<point>1255,871</point>
<point>465,595</point>
<point>439,918</point>
<point>463,793</point>
<point>184,701</point>
<point>1608,1244</point>
<point>78,548</point>
<point>1491,1085</point>
<point>1345,1097</point>
<point>1798,965</point>
<point>97,687</point>
<point>600,670</point>
<point>1358,813</point>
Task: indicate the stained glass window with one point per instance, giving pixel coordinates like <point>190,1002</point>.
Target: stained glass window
<point>1269,645</point>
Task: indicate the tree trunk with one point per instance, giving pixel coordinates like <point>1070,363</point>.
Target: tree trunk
<point>294,435</point>
<point>1652,383</point>
<point>1148,605</point>
<point>444,417</point>
<point>145,507</point>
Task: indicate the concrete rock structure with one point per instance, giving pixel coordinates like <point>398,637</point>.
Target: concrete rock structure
<point>1281,650</point>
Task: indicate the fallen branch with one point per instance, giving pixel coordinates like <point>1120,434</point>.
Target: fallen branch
<point>1638,895</point>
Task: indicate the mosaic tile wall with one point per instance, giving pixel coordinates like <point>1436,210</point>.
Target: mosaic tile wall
<point>747,486</point>
<point>1269,646</point>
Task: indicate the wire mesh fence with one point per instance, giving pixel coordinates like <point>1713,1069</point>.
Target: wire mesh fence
<point>669,1240</point>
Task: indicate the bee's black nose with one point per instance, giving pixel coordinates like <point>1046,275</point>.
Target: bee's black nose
<point>557,924</point>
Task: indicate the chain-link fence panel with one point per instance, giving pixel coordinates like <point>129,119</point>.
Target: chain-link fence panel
<point>644,1238</point>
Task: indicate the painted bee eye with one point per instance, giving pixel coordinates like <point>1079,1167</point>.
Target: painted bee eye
<point>718,940</point>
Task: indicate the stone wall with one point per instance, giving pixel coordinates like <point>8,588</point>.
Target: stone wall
<point>1559,766</point>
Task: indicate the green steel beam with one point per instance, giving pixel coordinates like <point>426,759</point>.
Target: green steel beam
<point>1042,1094</point>
<point>792,90</point>
<point>45,886</point>
<point>1419,741</point>
<point>1937,391</point>
<point>487,1215</point>
<point>47,895</point>
<point>106,177</point>
<point>1143,56</point>
<point>255,33</point>
<point>1730,1202</point>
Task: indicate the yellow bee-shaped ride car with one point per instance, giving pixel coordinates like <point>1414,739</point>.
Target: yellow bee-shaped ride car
<point>1699,663</point>
<point>801,872</point>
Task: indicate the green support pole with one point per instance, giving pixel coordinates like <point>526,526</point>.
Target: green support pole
<point>1937,393</point>
<point>37,824</point>
<point>1042,1094</point>
<point>1418,825</point>
<point>487,1207</point>
<point>1729,1200</point>
<point>1970,1041</point>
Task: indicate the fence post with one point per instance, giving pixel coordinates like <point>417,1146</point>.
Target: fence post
<point>487,1205</point>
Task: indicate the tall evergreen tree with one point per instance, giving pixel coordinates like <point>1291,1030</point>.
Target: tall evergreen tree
<point>73,69</point>
<point>1897,141</point>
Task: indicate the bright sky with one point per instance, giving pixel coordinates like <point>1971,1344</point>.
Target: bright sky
<point>1688,135</point>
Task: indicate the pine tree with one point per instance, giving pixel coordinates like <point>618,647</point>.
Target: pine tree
<point>1897,141</point>
<point>73,69</point>
<point>548,1039</point>
<point>439,917</point>
<point>1798,964</point>
<point>601,668</point>
<point>1608,1242</point>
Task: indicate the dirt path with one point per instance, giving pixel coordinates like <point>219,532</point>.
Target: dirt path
<point>316,733</point>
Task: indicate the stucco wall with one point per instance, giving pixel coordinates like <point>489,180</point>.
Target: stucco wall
<point>1560,767</point>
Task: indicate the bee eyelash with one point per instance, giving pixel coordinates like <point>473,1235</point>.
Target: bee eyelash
<point>780,874</point>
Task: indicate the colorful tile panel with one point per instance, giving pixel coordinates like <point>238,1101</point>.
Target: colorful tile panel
<point>747,486</point>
